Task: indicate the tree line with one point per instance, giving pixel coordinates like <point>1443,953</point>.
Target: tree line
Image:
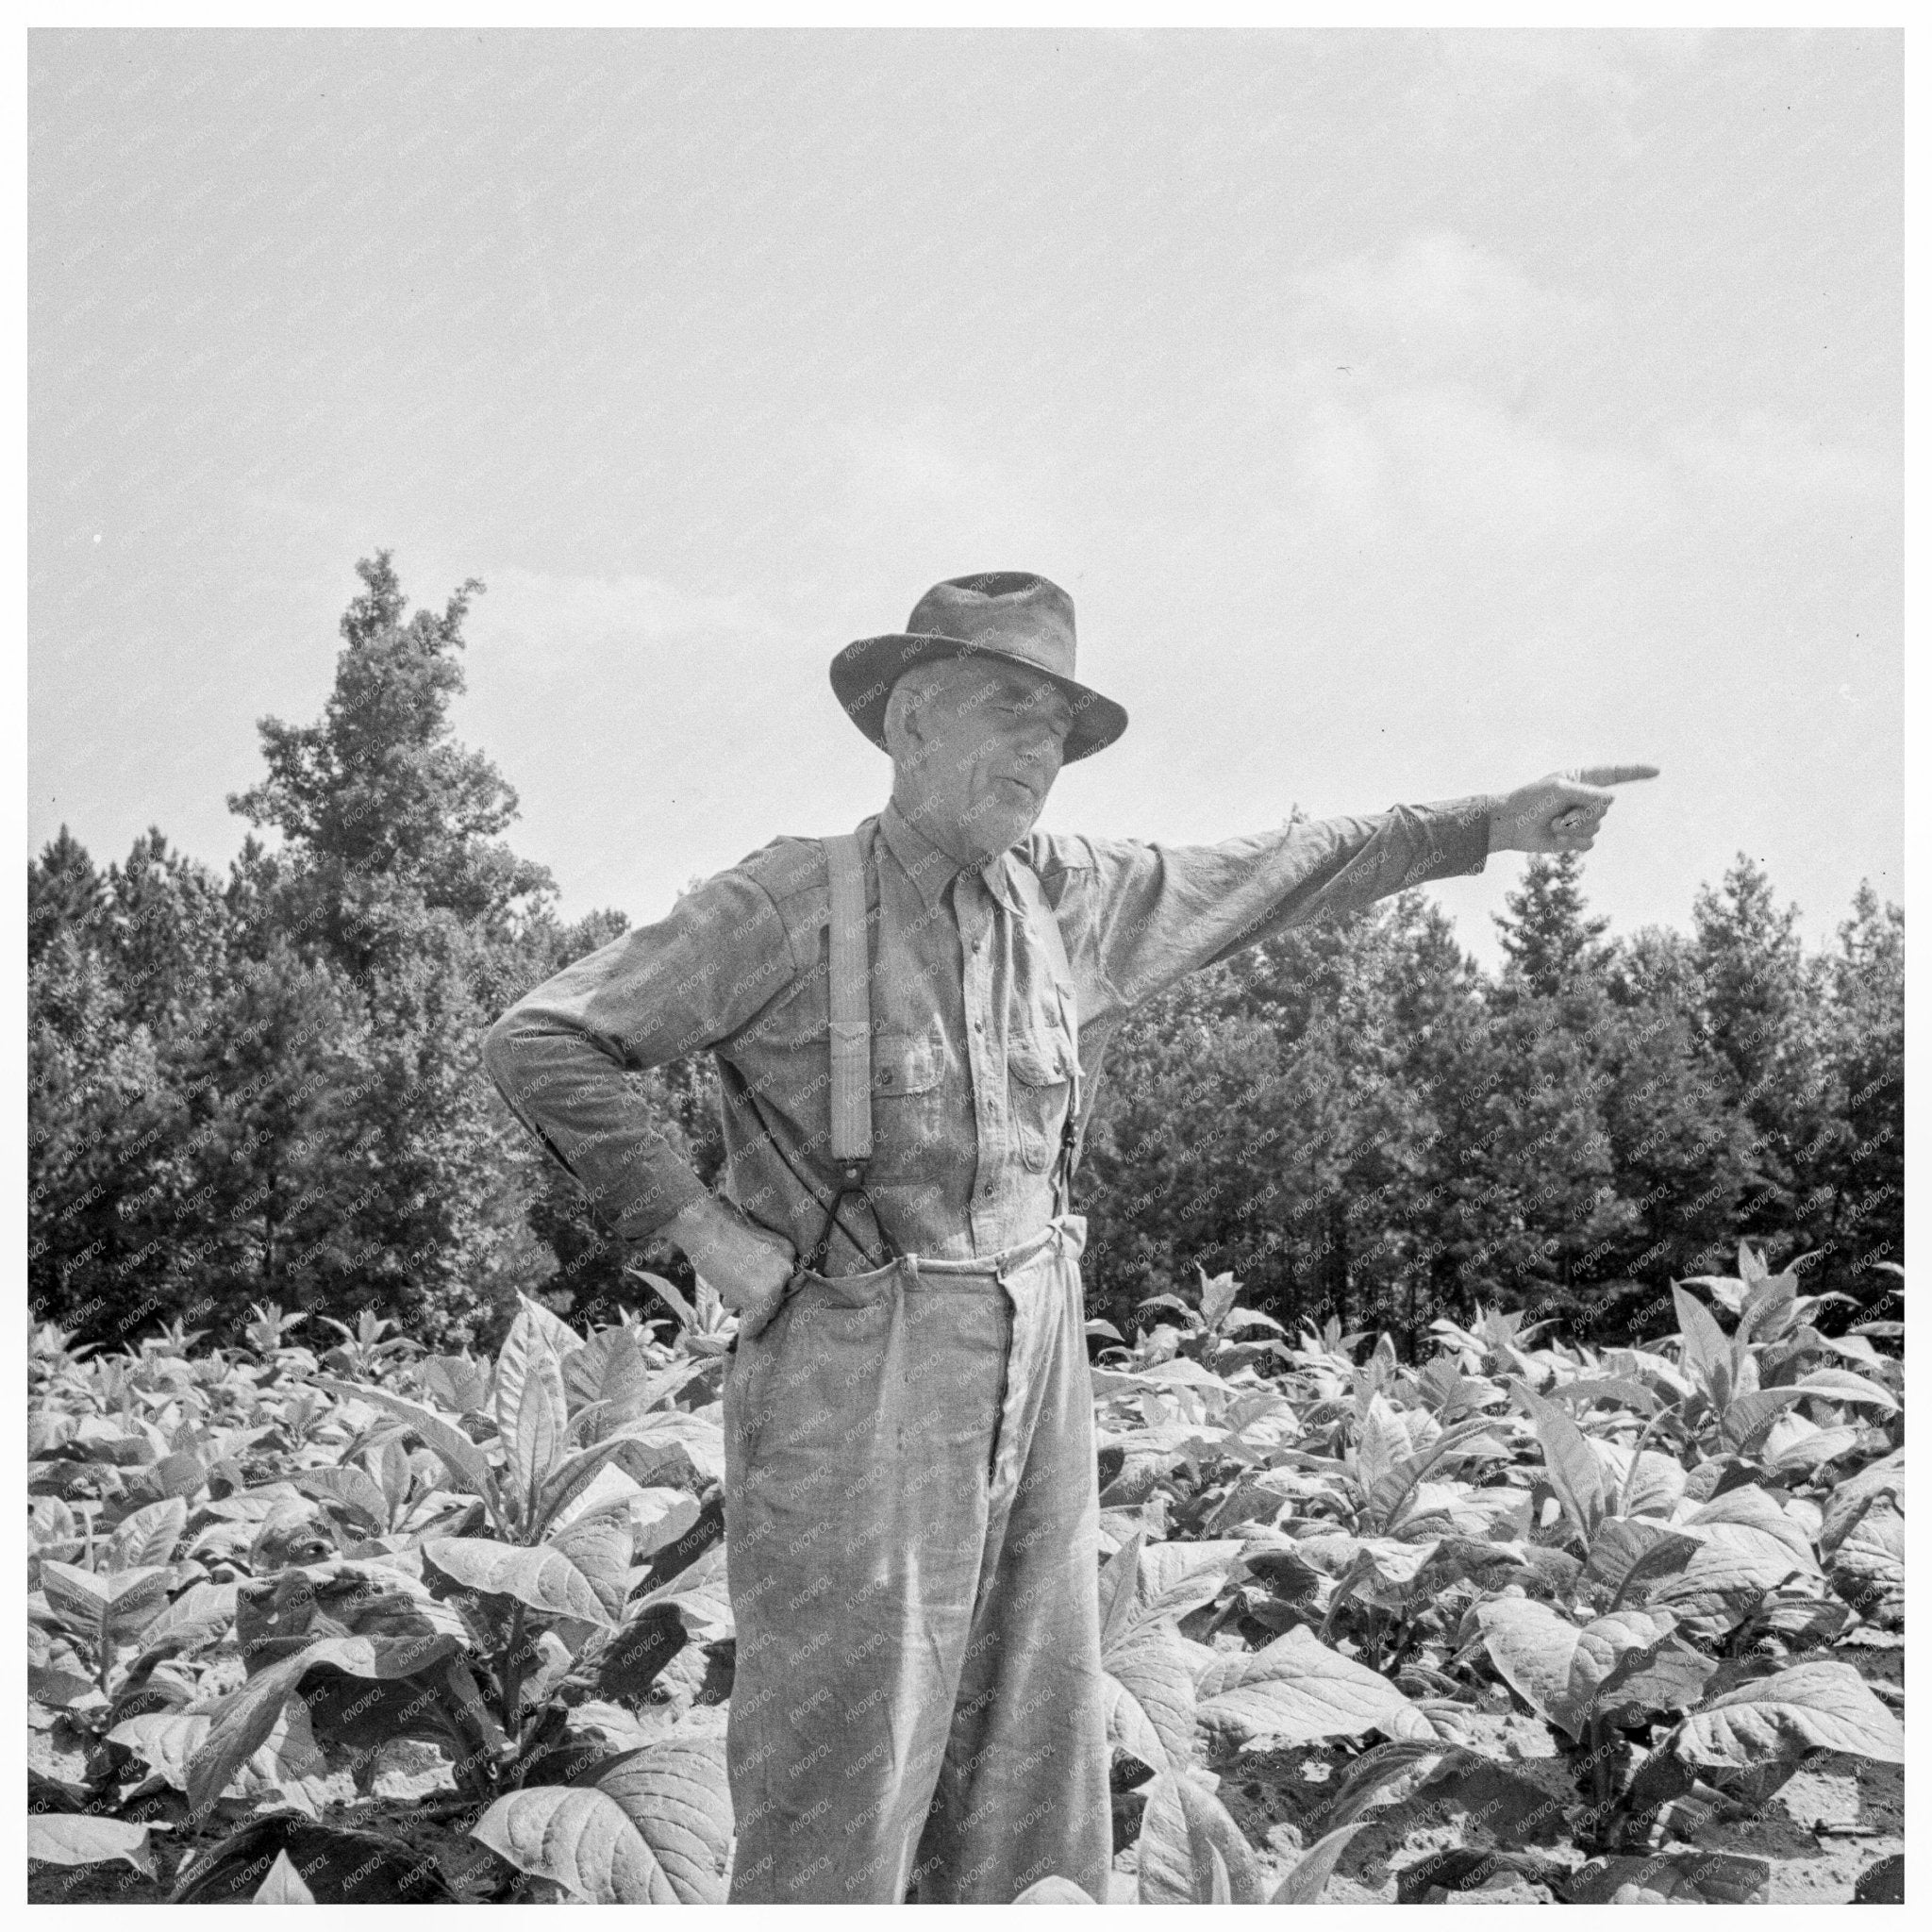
<point>266,1087</point>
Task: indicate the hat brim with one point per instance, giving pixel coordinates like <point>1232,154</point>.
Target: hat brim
<point>863,674</point>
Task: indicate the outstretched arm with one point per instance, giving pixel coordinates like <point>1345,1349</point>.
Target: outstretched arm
<point>1138,916</point>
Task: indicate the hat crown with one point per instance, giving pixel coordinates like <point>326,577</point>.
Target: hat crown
<point>1011,612</point>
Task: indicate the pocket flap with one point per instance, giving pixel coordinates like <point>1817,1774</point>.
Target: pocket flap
<point>905,1062</point>
<point>1040,1062</point>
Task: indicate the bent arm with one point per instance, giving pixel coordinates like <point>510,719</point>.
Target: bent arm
<point>559,1055</point>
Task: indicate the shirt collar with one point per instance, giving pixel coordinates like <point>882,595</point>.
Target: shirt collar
<point>931,868</point>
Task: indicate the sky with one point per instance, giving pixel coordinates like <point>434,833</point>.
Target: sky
<point>1408,414</point>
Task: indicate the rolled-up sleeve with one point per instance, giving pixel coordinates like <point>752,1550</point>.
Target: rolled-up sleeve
<point>561,1054</point>
<point>1145,914</point>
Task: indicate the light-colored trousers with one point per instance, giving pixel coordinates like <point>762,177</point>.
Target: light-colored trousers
<point>912,1516</point>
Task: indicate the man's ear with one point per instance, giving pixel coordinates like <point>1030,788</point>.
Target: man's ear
<point>913,724</point>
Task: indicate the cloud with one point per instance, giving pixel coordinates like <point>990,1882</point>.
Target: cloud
<point>1783,468</point>
<point>1436,298</point>
<point>1407,389</point>
<point>1608,70</point>
<point>607,608</point>
<point>1446,460</point>
<point>924,499</point>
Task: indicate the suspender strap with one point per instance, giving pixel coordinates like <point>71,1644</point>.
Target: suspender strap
<point>1046,930</point>
<point>849,989</point>
<point>851,1007</point>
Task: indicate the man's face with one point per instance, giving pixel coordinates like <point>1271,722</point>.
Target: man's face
<point>991,738</point>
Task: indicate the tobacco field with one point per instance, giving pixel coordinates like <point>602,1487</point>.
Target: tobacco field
<point>327,1617</point>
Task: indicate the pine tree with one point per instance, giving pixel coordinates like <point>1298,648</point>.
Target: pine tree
<point>1758,1011</point>
<point>1547,936</point>
<point>64,893</point>
<point>383,815</point>
<point>1852,1169</point>
<point>390,872</point>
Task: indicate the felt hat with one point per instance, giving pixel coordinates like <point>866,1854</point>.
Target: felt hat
<point>1007,616</point>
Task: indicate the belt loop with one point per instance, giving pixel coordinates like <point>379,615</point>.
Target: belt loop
<point>908,1266</point>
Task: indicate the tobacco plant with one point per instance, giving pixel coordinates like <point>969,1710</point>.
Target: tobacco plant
<point>258,1578</point>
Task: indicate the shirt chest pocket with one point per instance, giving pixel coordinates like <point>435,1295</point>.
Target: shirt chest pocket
<point>1040,1068</point>
<point>908,1079</point>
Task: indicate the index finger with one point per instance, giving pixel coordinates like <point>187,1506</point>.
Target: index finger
<point>1612,774</point>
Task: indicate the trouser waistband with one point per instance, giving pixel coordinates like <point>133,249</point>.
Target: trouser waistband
<point>1052,1235</point>
<point>990,1268</point>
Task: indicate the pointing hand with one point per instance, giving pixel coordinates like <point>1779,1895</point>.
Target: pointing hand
<point>1560,813</point>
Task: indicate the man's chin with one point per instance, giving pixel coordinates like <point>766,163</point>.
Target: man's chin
<point>994,834</point>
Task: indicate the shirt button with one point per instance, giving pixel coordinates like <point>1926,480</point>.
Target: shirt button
<point>986,1192</point>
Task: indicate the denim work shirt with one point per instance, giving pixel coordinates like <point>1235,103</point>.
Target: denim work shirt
<point>972,1052</point>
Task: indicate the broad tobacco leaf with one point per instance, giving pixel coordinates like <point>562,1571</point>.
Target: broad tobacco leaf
<point>1384,1572</point>
<point>106,1607</point>
<point>1841,1385</point>
<point>1149,1692</point>
<point>287,1769</point>
<point>1574,1472</point>
<point>354,1491</point>
<point>1749,1546</point>
<point>1633,1552</point>
<point>579,1838</point>
<point>1556,1668</point>
<point>699,1593</point>
<point>676,1794</point>
<point>1145,1583</point>
<point>1671,1878</point>
<point>459,1382</point>
<point>464,1459</point>
<point>1176,1579</point>
<point>283,1614</point>
<point>240,1727</point>
<point>1129,1729</point>
<point>179,1474</point>
<point>1813,1706</point>
<point>1185,1832</point>
<point>1769,1308</point>
<point>63,1837</point>
<point>543,1578</point>
<point>1868,1569</point>
<point>1748,1419</point>
<point>598,1546</point>
<point>1793,1446</point>
<point>1857,1494</point>
<point>147,1535</point>
<point>626,1385</point>
<point>1709,1355</point>
<point>1299,1689</point>
<point>532,1411</point>
<point>199,1617</point>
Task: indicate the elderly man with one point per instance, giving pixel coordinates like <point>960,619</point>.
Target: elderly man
<point>908,1023</point>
